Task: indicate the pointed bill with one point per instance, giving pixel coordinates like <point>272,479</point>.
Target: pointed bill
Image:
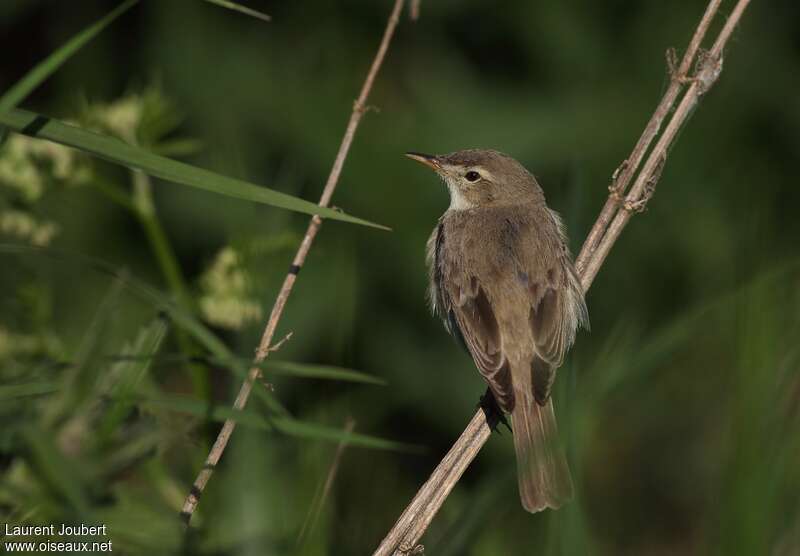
<point>429,160</point>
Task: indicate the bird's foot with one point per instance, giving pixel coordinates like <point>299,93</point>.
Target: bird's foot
<point>494,415</point>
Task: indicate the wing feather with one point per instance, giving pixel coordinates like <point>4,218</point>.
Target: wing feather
<point>557,310</point>
<point>478,327</point>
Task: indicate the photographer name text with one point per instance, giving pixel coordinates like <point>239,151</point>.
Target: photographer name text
<point>63,530</point>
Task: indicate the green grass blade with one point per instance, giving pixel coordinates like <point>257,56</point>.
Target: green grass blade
<point>325,372</point>
<point>312,431</point>
<point>159,301</point>
<point>199,408</point>
<point>130,373</point>
<point>283,368</point>
<point>241,9</point>
<point>285,425</point>
<point>26,389</point>
<point>49,65</point>
<point>79,381</point>
<point>114,150</point>
<point>64,479</point>
<point>280,421</point>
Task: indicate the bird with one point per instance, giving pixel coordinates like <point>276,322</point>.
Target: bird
<point>502,280</point>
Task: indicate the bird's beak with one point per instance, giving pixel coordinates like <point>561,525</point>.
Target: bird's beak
<point>429,160</point>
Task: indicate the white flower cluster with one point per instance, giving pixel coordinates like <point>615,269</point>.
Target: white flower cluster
<point>121,117</point>
<point>23,225</point>
<point>27,167</point>
<point>227,299</point>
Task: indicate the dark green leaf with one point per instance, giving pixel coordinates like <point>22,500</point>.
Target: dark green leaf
<point>61,475</point>
<point>114,150</point>
<point>11,391</point>
<point>300,429</point>
<point>285,425</point>
<point>326,372</point>
<point>78,384</point>
<point>129,373</point>
<point>49,65</point>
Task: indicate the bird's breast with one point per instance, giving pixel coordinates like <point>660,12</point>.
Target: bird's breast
<point>485,242</point>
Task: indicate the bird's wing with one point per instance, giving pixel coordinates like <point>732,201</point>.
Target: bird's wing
<point>557,308</point>
<point>472,318</point>
<point>461,302</point>
<point>550,338</point>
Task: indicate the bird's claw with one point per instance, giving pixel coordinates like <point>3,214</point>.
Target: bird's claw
<point>494,415</point>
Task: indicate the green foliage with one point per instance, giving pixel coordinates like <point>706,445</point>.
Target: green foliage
<point>320,371</point>
<point>37,125</point>
<point>22,88</point>
<point>241,9</point>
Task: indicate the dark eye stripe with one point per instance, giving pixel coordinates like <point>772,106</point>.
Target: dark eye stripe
<point>472,175</point>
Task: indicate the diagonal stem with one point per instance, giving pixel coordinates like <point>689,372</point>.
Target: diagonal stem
<point>708,69</point>
<point>322,494</point>
<point>629,166</point>
<point>359,108</point>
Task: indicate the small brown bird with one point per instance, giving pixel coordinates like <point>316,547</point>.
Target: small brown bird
<point>501,278</point>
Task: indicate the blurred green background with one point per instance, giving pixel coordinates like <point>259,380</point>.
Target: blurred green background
<point>679,408</point>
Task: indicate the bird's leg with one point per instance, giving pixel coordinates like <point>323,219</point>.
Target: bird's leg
<point>494,415</point>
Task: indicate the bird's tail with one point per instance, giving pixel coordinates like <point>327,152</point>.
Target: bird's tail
<point>542,471</point>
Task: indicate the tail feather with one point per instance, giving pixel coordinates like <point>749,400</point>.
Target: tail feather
<point>542,471</point>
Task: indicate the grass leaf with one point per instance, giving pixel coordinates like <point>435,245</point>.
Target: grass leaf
<point>130,372</point>
<point>200,408</point>
<point>62,476</point>
<point>280,420</point>
<point>26,389</point>
<point>312,431</point>
<point>119,152</point>
<point>159,301</point>
<point>285,425</point>
<point>49,65</point>
<point>78,382</point>
<point>325,372</point>
<point>241,9</point>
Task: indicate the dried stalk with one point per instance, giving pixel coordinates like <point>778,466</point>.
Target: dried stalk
<point>708,69</point>
<point>359,108</point>
<point>415,9</point>
<point>322,495</point>
<point>623,175</point>
<point>404,537</point>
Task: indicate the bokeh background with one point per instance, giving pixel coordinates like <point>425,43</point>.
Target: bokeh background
<point>679,409</point>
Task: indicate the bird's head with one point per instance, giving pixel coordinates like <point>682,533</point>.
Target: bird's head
<point>478,178</point>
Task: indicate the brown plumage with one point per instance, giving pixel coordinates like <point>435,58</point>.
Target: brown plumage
<point>502,280</point>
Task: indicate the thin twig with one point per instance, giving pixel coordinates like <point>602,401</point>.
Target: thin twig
<point>325,489</point>
<point>403,539</point>
<point>417,516</point>
<point>359,108</point>
<point>415,9</point>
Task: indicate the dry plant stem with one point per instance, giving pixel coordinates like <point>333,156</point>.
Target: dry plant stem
<point>359,108</point>
<point>415,9</point>
<point>319,500</point>
<point>628,168</point>
<point>708,70</point>
<point>417,516</point>
<point>404,537</point>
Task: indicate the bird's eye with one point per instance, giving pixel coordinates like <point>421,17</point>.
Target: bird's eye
<point>472,175</point>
